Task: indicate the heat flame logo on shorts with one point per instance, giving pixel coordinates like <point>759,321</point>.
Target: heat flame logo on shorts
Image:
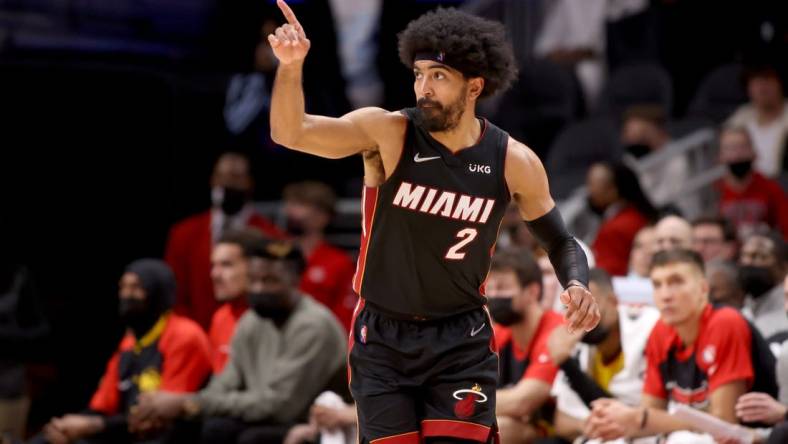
<point>466,405</point>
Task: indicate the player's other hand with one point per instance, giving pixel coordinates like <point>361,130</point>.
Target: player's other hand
<point>289,41</point>
<point>582,311</point>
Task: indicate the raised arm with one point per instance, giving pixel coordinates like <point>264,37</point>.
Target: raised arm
<point>290,125</point>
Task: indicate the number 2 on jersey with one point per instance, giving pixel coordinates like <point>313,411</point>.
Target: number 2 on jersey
<point>467,235</point>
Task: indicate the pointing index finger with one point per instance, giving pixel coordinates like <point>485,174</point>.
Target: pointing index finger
<point>289,14</point>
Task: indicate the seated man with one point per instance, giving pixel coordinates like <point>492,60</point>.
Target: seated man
<point>285,350</point>
<point>514,287</point>
<point>697,355</point>
<point>762,266</point>
<point>229,273</point>
<point>609,363</point>
<point>160,351</point>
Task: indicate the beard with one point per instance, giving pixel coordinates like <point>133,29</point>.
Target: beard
<point>435,117</point>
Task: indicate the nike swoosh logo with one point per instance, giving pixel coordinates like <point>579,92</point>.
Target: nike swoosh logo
<point>418,159</point>
<point>476,331</point>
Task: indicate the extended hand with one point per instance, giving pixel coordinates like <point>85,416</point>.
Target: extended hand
<point>289,41</point>
<point>582,311</point>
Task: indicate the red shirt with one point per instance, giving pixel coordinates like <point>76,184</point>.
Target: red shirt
<point>722,353</point>
<point>328,279</point>
<point>189,255</point>
<point>177,360</point>
<point>614,239</point>
<point>761,201</point>
<point>534,361</point>
<point>222,329</point>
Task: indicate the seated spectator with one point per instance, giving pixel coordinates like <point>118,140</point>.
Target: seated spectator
<point>614,190</point>
<point>229,273</point>
<point>635,287</point>
<point>671,233</point>
<point>191,240</point>
<point>697,355</point>
<point>514,287</point>
<point>724,285</point>
<point>309,207</point>
<point>161,351</point>
<point>714,238</point>
<point>643,132</point>
<point>765,118</point>
<point>285,350</point>
<point>747,198</point>
<point>762,266</point>
<point>608,362</point>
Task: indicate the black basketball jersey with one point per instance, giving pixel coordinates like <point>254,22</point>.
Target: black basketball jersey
<point>429,231</point>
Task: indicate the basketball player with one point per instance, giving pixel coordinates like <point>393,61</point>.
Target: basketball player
<point>437,181</point>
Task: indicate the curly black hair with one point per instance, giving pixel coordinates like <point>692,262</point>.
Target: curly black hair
<point>474,46</point>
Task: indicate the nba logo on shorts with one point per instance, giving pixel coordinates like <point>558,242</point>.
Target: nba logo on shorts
<point>363,334</point>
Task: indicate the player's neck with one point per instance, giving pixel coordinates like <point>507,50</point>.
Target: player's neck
<point>465,134</point>
<point>689,329</point>
<point>525,330</point>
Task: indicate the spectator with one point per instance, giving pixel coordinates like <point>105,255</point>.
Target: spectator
<point>191,240</point>
<point>309,207</point>
<point>331,418</point>
<point>762,267</point>
<point>765,118</point>
<point>724,286</point>
<point>747,198</point>
<point>514,287</point>
<point>161,351</point>
<point>607,363</point>
<point>642,250</point>
<point>714,238</point>
<point>614,189</point>
<point>229,273</point>
<point>696,355</point>
<point>671,233</point>
<point>284,352</point>
<point>643,132</point>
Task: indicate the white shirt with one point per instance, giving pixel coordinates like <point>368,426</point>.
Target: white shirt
<point>768,140</point>
<point>627,385</point>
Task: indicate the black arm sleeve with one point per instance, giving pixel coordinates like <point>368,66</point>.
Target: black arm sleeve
<point>582,384</point>
<point>565,254</point>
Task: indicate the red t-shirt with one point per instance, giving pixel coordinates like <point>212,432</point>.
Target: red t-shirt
<point>328,279</point>
<point>222,329</point>
<point>179,360</point>
<point>722,353</point>
<point>189,255</point>
<point>533,361</point>
<point>761,201</point>
<point>614,239</point>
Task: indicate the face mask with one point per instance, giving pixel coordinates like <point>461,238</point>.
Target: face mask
<point>596,336</point>
<point>740,169</point>
<point>135,315</point>
<point>638,150</point>
<point>502,312</point>
<point>272,305</point>
<point>596,209</point>
<point>230,200</point>
<point>756,281</point>
<point>294,227</point>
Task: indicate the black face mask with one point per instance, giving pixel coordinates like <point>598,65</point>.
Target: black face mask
<point>137,316</point>
<point>294,227</point>
<point>272,305</point>
<point>756,281</point>
<point>596,209</point>
<point>596,336</point>
<point>638,150</point>
<point>501,311</point>
<point>233,200</point>
<point>740,169</point>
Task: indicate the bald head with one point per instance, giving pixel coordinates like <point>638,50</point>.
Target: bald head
<point>673,232</point>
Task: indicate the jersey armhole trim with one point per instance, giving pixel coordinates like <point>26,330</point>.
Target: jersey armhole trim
<point>401,153</point>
